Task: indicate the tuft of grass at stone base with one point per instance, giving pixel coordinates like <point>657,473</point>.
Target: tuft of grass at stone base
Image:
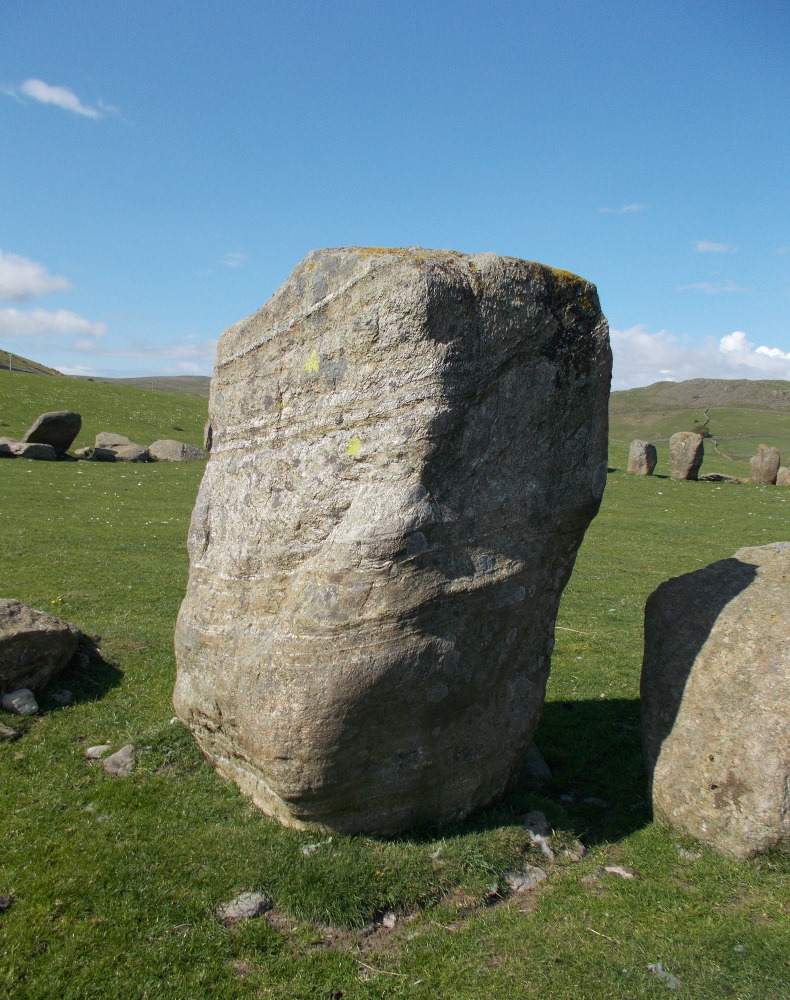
<point>113,883</point>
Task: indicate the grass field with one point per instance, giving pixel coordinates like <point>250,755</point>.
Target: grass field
<point>113,883</point>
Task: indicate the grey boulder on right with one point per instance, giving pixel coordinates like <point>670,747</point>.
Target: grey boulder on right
<point>715,697</point>
<point>764,466</point>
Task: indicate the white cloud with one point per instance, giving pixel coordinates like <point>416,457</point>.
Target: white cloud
<point>234,259</point>
<point>709,289</point>
<point>39,322</point>
<point>636,206</point>
<point>186,350</point>
<point>61,97</point>
<point>22,279</point>
<point>706,246</point>
<point>641,358</point>
<point>77,370</point>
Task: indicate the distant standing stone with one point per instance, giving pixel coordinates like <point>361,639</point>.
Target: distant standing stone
<point>715,695</point>
<point>58,429</point>
<point>642,458</point>
<point>783,476</point>
<point>686,451</point>
<point>168,450</point>
<point>21,702</point>
<point>34,646</point>
<point>764,466</point>
<point>121,763</point>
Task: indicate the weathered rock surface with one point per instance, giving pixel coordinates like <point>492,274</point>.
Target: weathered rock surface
<point>168,450</point>
<point>408,446</point>
<point>715,691</point>
<point>208,435</point>
<point>112,447</point>
<point>57,429</point>
<point>121,763</point>
<point>11,448</point>
<point>109,439</point>
<point>764,466</point>
<point>21,702</point>
<point>34,646</point>
<point>783,476</point>
<point>718,477</point>
<point>686,451</point>
<point>642,458</point>
<point>246,906</point>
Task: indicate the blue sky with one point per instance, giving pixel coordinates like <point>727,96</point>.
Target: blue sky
<point>165,164</point>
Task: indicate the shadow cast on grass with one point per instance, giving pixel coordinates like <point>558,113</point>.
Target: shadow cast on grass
<point>598,784</point>
<point>89,675</point>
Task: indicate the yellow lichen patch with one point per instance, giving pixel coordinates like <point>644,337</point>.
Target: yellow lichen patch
<point>313,362</point>
<point>354,447</point>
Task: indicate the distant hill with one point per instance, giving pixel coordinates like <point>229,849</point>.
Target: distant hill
<point>15,363</point>
<point>736,414</point>
<point>704,392</point>
<point>190,385</point>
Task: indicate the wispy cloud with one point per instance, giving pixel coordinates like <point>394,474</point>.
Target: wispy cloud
<point>641,358</point>
<point>40,322</point>
<point>186,356</point>
<point>190,348</point>
<point>60,97</point>
<point>234,259</point>
<point>77,370</point>
<point>783,249</point>
<point>635,206</point>
<point>706,246</point>
<point>22,279</point>
<point>710,289</point>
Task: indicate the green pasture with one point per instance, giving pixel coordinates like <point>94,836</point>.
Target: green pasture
<point>110,886</point>
<point>139,414</point>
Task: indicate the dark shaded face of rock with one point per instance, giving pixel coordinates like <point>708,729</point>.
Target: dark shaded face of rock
<point>406,453</point>
<point>58,429</point>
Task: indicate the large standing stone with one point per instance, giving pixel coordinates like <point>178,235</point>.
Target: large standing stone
<point>642,458</point>
<point>58,429</point>
<point>715,696</point>
<point>168,450</point>
<point>764,466</point>
<point>408,447</point>
<point>686,451</point>
<point>34,646</point>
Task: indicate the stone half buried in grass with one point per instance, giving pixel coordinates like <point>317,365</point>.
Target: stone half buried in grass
<point>408,446</point>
